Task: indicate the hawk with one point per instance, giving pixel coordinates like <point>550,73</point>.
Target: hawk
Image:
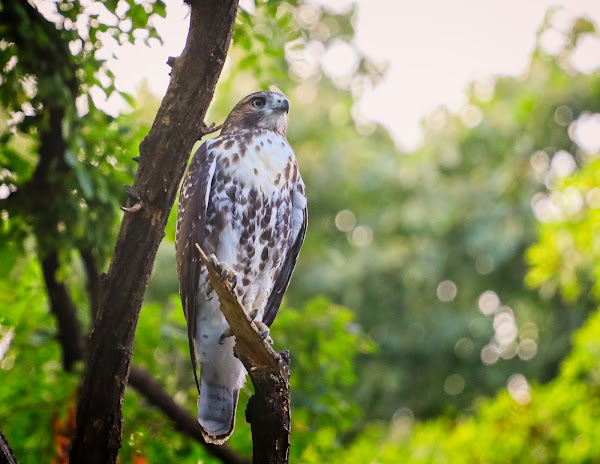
<point>243,201</point>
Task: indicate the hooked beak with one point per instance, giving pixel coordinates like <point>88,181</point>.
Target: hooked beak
<point>283,105</point>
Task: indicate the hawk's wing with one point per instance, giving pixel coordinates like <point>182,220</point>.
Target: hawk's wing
<point>191,221</point>
<point>283,279</point>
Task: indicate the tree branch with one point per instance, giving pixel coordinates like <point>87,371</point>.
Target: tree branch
<point>268,410</point>
<point>65,312</point>
<point>163,157</point>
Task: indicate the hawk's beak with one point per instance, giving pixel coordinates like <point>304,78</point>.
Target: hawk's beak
<point>283,105</point>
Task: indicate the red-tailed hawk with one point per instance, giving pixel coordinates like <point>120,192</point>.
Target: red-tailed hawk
<point>242,200</point>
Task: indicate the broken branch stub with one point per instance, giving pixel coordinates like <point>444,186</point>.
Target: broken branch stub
<point>250,348</point>
<point>268,410</point>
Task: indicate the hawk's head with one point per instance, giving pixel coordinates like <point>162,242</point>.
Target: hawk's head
<point>267,110</point>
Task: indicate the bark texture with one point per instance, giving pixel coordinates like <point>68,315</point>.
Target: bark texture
<point>163,157</point>
<point>268,410</point>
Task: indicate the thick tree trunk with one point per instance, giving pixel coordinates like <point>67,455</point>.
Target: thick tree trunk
<point>163,157</point>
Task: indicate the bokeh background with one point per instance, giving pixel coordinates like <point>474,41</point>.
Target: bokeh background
<point>445,304</point>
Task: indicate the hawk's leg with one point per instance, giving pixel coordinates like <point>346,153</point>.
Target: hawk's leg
<point>208,291</point>
<point>261,328</point>
<point>226,272</point>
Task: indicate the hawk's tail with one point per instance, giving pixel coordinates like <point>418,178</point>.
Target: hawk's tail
<point>216,411</point>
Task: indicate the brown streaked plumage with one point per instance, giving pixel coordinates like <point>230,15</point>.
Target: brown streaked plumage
<point>242,200</point>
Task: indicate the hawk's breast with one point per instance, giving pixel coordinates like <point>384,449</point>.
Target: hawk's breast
<point>255,158</point>
<point>249,215</point>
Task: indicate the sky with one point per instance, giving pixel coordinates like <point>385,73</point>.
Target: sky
<point>433,49</point>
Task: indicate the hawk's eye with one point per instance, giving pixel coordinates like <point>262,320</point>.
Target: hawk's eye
<point>258,102</point>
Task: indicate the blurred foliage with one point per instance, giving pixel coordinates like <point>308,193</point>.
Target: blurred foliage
<point>468,262</point>
<point>35,391</point>
<point>54,71</point>
<point>567,256</point>
<point>413,241</point>
<point>548,423</point>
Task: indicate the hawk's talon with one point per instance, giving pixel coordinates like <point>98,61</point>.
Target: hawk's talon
<point>253,313</point>
<point>226,272</point>
<point>229,275</point>
<point>263,331</point>
<point>226,334</point>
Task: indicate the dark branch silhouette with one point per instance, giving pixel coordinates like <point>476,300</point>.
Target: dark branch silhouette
<point>65,312</point>
<point>93,280</point>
